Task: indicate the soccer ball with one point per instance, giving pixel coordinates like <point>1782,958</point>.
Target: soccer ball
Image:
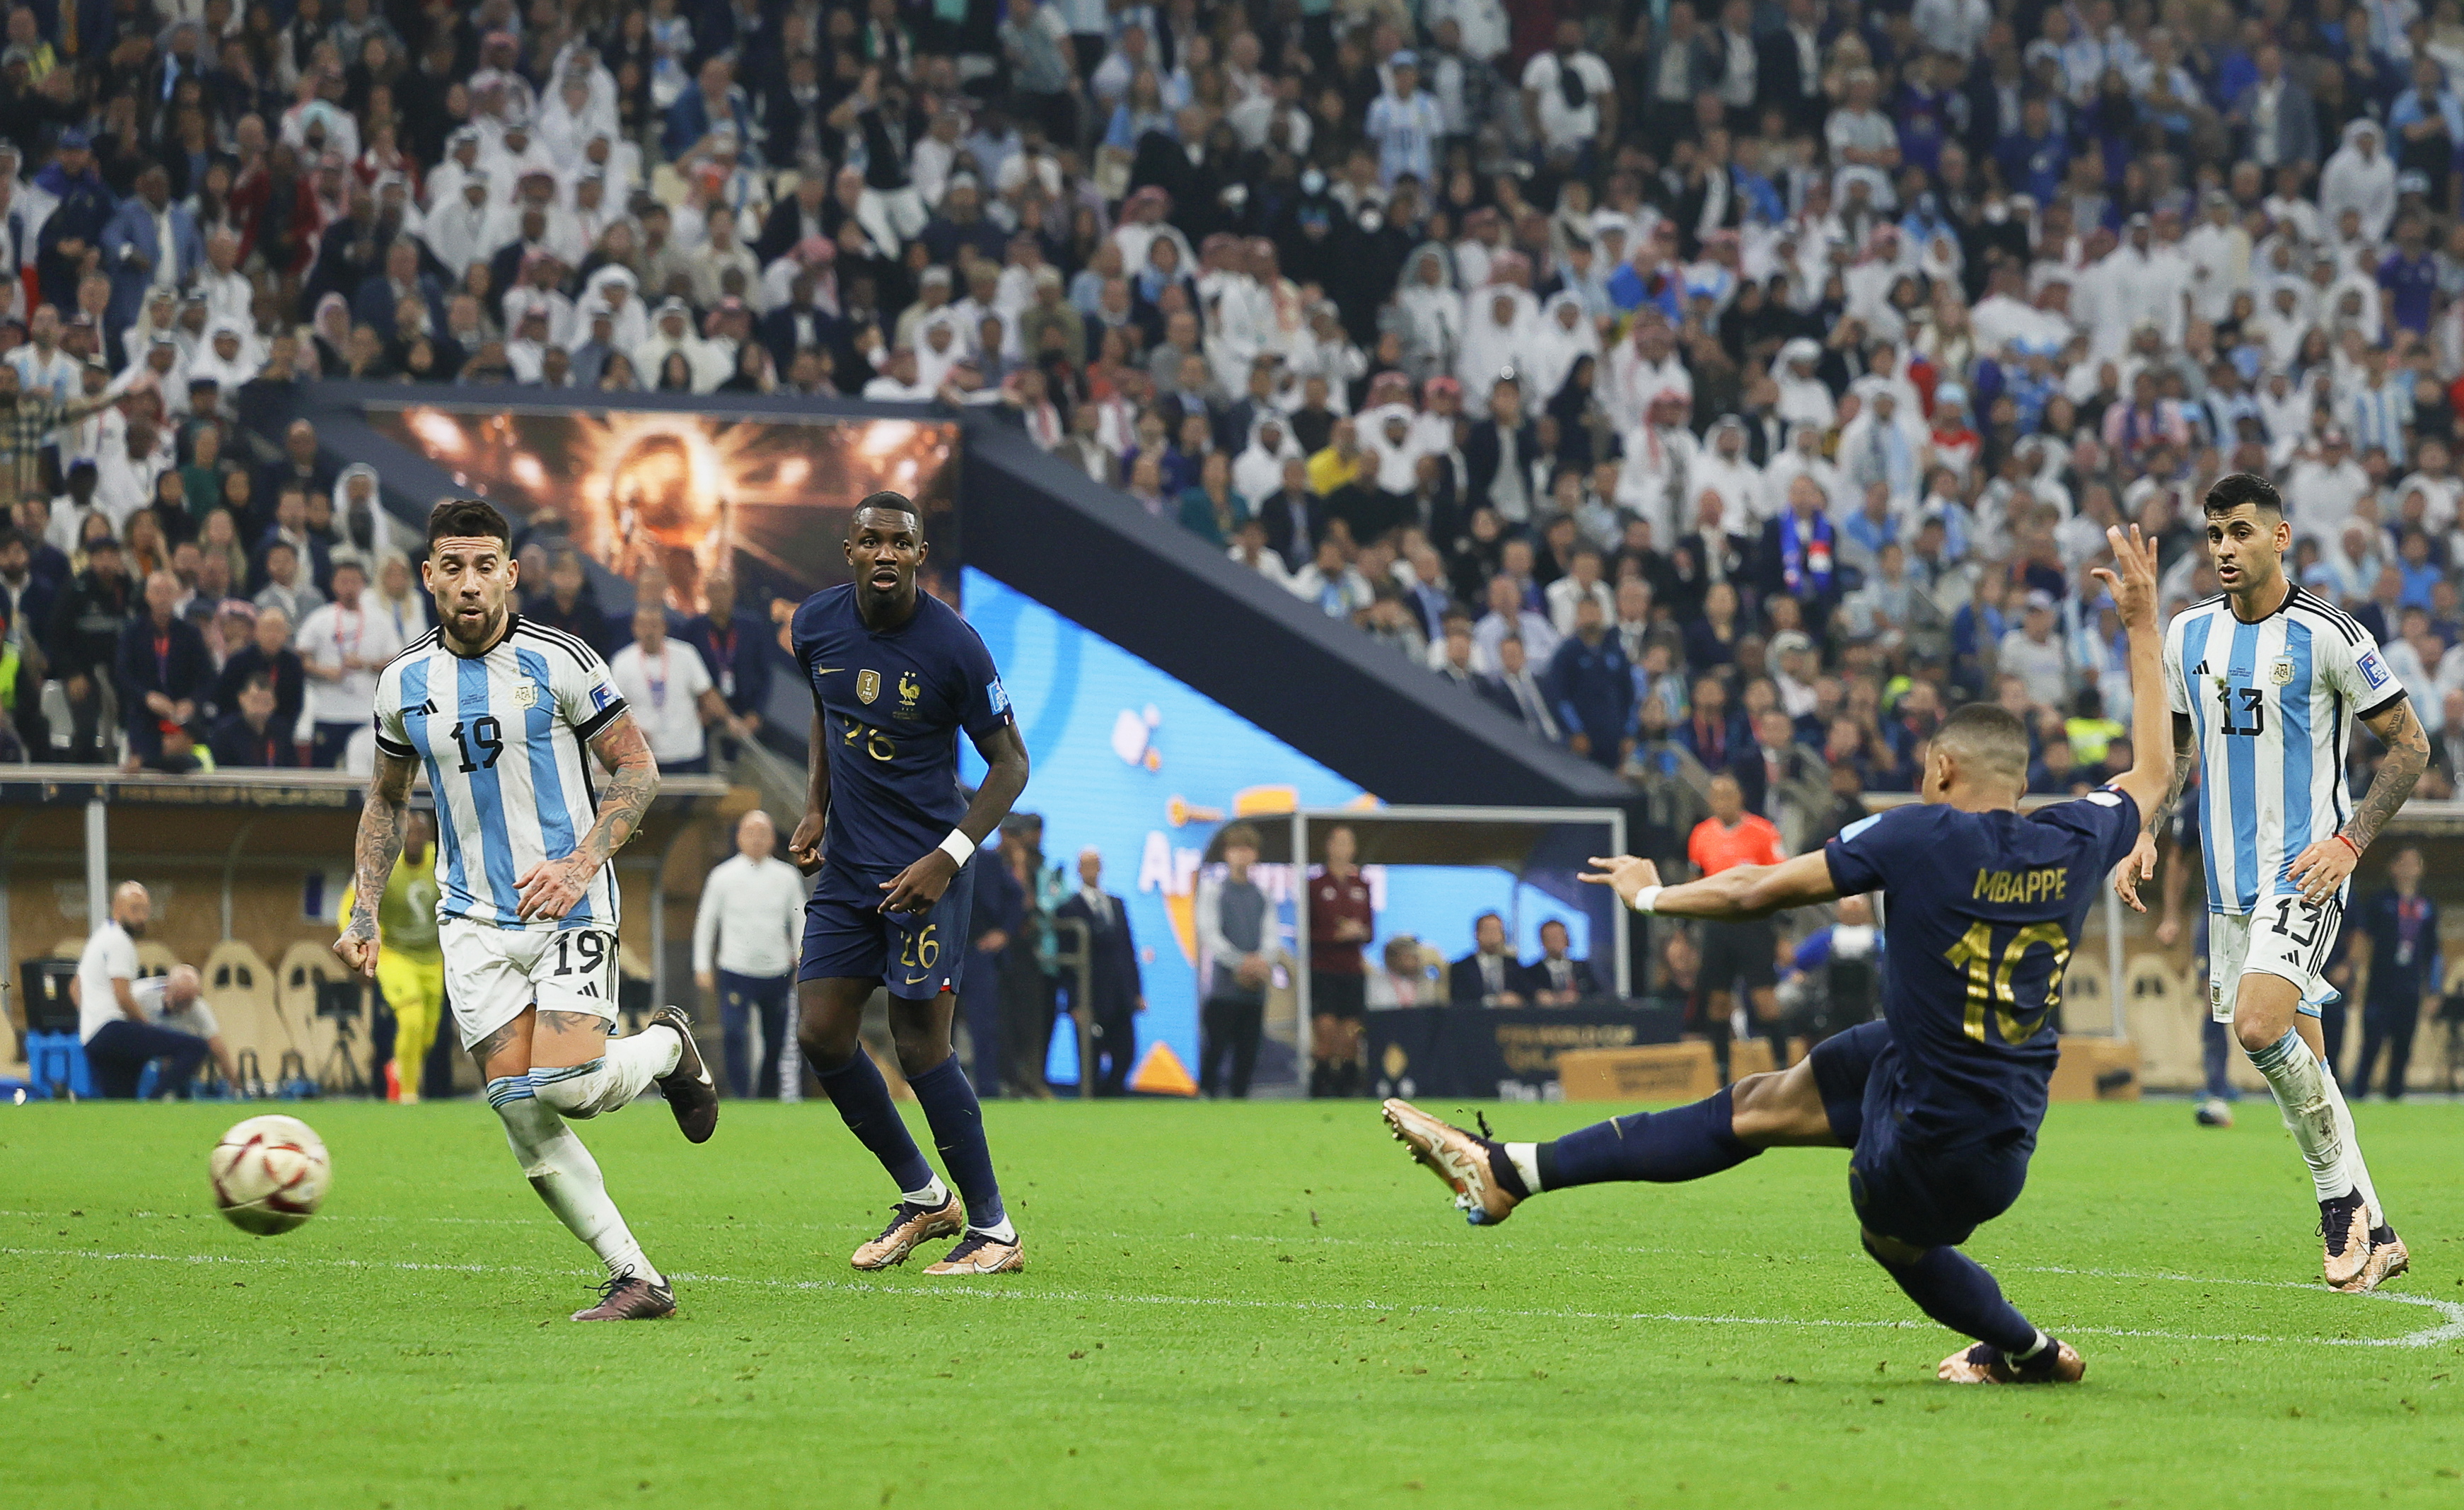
<point>269,1174</point>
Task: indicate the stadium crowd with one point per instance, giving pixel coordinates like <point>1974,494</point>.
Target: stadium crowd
<point>1742,385</point>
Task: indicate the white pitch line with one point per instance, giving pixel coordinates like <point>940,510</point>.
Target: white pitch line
<point>2451,1329</point>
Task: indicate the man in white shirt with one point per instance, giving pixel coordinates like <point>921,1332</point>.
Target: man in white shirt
<point>1568,94</point>
<point>746,939</point>
<point>342,646</point>
<point>127,1025</point>
<point>670,692</point>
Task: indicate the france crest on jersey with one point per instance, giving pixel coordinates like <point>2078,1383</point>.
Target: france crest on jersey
<point>501,737</point>
<point>2273,705</point>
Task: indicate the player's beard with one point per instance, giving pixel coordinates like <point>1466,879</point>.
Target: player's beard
<point>135,929</point>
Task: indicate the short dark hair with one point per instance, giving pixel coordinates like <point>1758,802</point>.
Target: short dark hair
<point>457,519</point>
<point>889,502</point>
<point>1989,733</point>
<point>2235,489</point>
<point>259,683</point>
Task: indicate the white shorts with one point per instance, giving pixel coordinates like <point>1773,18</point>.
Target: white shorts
<point>494,975</point>
<point>2284,936</point>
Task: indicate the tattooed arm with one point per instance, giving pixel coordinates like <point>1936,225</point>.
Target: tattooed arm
<point>2408,755</point>
<point>2320,869</point>
<point>551,887</point>
<point>382,816</point>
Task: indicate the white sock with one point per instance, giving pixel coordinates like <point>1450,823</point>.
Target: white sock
<point>932,1197</point>
<point>1526,1159</point>
<point>2299,1083</point>
<point>1000,1232</point>
<point>567,1176</point>
<point>2042,1343</point>
<point>2355,1171</point>
<point>610,1082</point>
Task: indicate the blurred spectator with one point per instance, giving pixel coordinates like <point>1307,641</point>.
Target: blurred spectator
<point>127,1021</point>
<point>1488,977</point>
<point>1341,921</point>
<point>342,646</point>
<point>1117,993</point>
<point>164,673</point>
<point>1553,981</point>
<point>747,934</point>
<point>671,694</point>
<point>1234,923</point>
<point>2396,930</point>
<point>249,734</point>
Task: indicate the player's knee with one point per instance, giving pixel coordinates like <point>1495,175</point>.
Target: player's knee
<point>2256,1030</point>
<point>918,1051</point>
<point>824,1042</point>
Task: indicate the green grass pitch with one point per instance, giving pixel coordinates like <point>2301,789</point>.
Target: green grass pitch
<point>1225,1304</point>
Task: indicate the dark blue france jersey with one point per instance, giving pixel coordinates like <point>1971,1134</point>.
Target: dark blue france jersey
<point>1981,912</point>
<point>893,706</point>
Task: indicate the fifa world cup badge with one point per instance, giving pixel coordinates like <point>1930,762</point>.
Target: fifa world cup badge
<point>867,685</point>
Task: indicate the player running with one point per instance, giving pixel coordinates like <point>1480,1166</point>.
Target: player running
<point>496,710</point>
<point>2269,679</point>
<point>895,675</point>
<point>1942,1099</point>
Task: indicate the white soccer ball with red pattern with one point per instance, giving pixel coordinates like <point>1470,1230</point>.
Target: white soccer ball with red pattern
<point>269,1174</point>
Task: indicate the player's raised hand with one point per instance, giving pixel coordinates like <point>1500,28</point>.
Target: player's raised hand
<point>551,887</point>
<point>2135,868</point>
<point>2322,868</point>
<point>2133,580</point>
<point>1625,874</point>
<point>357,948</point>
<point>918,887</point>
<point>804,846</point>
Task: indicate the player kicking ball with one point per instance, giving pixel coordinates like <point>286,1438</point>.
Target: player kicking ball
<point>1942,1099</point>
<point>497,712</point>
<point>896,674</point>
<point>2266,680</point>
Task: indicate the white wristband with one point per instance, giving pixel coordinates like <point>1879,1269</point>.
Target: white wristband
<point>1646,900</point>
<point>958,847</point>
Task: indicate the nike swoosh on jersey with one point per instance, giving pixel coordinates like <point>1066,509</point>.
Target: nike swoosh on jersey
<point>920,979</point>
<point>826,670</point>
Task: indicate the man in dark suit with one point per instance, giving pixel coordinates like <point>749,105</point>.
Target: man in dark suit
<point>249,737</point>
<point>793,218</point>
<point>1295,519</point>
<point>735,643</point>
<point>1516,692</point>
<point>163,667</point>
<point>1488,977</point>
<point>1115,991</point>
<point>1788,68</point>
<point>2273,118</point>
<point>1505,442</point>
<point>1553,981</point>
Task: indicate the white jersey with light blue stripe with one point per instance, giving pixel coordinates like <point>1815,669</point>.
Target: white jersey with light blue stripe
<point>2273,705</point>
<point>501,737</point>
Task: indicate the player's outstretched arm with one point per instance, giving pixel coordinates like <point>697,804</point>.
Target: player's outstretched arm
<point>382,813</point>
<point>915,889</point>
<point>551,887</point>
<point>2153,769</point>
<point>2320,869</point>
<point>1739,894</point>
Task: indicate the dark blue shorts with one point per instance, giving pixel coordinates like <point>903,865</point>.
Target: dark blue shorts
<point>917,956</point>
<point>1925,1194</point>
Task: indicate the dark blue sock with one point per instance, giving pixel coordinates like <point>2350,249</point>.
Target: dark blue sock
<point>1664,1146</point>
<point>1955,1290</point>
<point>863,1100</point>
<point>957,1121</point>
